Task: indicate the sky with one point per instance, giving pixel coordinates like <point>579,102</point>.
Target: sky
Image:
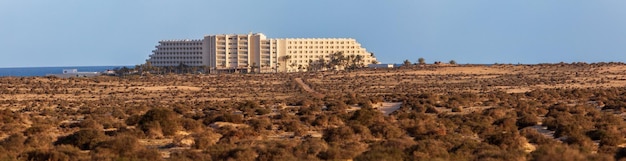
<point>43,33</point>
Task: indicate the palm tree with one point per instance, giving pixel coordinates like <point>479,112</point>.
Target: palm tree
<point>337,59</point>
<point>452,62</point>
<point>322,63</point>
<point>359,60</point>
<point>421,61</point>
<point>253,68</point>
<point>181,67</point>
<point>406,63</point>
<point>344,61</point>
<point>286,58</point>
<point>206,69</point>
<point>139,69</point>
<point>194,69</point>
<point>351,59</point>
<point>294,65</point>
<point>312,65</point>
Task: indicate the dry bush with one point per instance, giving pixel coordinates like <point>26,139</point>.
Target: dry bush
<point>123,147</point>
<point>85,139</point>
<point>59,153</point>
<point>39,141</point>
<point>309,149</point>
<point>506,141</point>
<point>428,150</point>
<point>46,155</point>
<point>260,123</point>
<point>206,139</point>
<point>191,124</point>
<point>526,120</point>
<point>91,124</point>
<point>339,134</point>
<point>367,116</point>
<point>14,142</point>
<point>7,116</point>
<point>232,135</point>
<point>344,151</point>
<point>535,137</point>
<point>189,155</point>
<point>386,131</point>
<point>379,152</point>
<point>36,129</point>
<point>223,117</point>
<point>557,152</point>
<point>159,121</point>
<point>294,126</point>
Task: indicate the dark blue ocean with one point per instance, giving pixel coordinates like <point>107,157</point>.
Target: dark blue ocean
<point>42,71</point>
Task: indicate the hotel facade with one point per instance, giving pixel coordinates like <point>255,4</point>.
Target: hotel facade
<point>256,53</point>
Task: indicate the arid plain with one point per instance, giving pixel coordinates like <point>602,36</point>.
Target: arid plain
<point>446,112</point>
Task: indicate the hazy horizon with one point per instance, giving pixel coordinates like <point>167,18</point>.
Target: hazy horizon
<point>121,33</point>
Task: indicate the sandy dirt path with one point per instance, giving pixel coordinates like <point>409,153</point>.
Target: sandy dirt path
<point>308,89</point>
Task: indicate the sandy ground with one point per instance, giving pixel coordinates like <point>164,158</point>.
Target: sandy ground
<point>220,124</point>
<point>543,130</point>
<point>389,107</point>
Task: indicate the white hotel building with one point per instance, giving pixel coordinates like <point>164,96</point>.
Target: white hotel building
<point>247,52</point>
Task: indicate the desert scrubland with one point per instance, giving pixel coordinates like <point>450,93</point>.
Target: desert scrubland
<point>423,112</point>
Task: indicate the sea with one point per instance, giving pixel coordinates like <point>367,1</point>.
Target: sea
<point>42,71</point>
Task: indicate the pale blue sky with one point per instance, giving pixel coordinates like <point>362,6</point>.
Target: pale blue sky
<point>121,32</point>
